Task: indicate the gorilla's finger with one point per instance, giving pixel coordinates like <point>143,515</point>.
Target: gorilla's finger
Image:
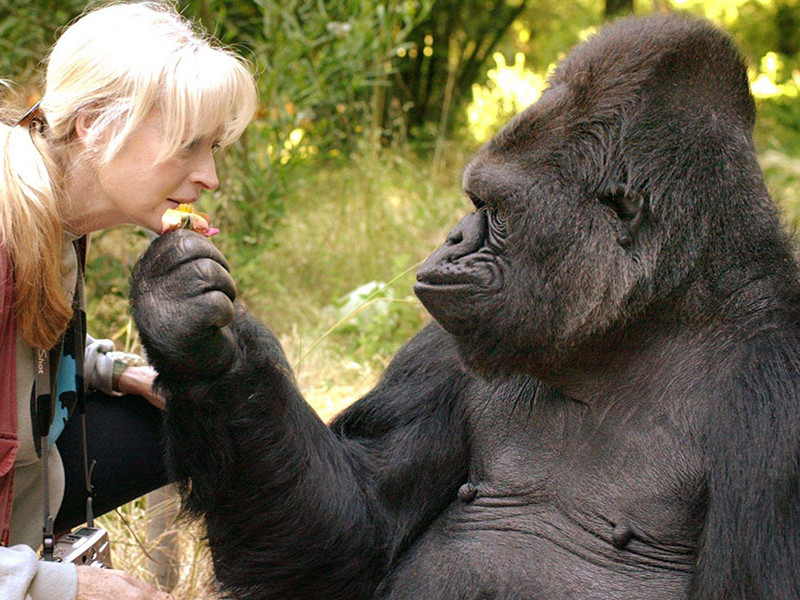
<point>175,248</point>
<point>195,314</point>
<point>193,246</point>
<point>211,275</point>
<point>217,309</point>
<point>224,348</point>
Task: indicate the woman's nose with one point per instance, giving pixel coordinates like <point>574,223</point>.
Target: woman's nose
<point>205,173</point>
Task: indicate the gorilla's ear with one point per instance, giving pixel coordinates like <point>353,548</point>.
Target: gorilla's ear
<point>629,208</point>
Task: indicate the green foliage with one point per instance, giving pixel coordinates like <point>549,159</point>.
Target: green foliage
<point>249,202</point>
<point>348,221</point>
<point>548,29</point>
<point>445,55</point>
<point>337,74</point>
<point>323,65</point>
<point>27,30</point>
<point>112,255</point>
<point>371,320</point>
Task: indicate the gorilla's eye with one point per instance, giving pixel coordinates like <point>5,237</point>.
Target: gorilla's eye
<point>476,200</point>
<point>627,209</point>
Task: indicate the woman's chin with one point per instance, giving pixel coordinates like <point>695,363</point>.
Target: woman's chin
<point>151,224</point>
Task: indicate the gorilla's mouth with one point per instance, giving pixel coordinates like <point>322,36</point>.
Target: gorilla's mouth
<point>434,288</point>
<point>447,292</point>
<point>477,271</point>
<point>431,294</point>
<point>443,279</point>
<point>478,275</point>
<point>445,273</point>
<point>449,302</point>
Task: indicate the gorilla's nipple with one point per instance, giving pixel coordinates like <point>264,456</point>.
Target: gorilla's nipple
<point>621,536</point>
<point>467,492</point>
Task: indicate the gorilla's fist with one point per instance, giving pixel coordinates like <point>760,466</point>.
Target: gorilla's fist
<point>182,300</point>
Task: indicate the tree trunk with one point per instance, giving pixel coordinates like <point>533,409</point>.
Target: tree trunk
<point>435,86</point>
<point>615,8</point>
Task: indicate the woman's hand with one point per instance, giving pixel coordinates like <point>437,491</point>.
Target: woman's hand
<point>139,381</point>
<point>110,584</point>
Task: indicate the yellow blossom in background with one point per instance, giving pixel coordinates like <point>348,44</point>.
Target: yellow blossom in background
<point>521,31</point>
<point>296,136</point>
<point>723,11</point>
<point>509,89</point>
<point>585,34</point>
<point>764,83</point>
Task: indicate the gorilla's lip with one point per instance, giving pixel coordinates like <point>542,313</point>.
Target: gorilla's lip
<point>427,290</point>
<point>451,282</point>
<point>444,278</point>
<point>449,285</point>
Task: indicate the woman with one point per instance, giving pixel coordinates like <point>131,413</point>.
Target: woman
<point>135,103</point>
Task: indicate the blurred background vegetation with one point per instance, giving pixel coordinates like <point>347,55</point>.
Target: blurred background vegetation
<point>349,175</point>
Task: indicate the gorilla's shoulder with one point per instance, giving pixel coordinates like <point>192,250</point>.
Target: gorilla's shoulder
<point>425,377</point>
<point>431,351</point>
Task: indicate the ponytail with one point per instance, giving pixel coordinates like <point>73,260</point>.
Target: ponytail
<point>30,230</point>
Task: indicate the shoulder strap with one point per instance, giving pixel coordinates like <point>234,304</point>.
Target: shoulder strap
<point>43,405</point>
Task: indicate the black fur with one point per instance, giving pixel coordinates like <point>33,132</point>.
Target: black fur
<point>609,407</point>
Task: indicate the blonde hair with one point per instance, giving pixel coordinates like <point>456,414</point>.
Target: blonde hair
<point>115,64</point>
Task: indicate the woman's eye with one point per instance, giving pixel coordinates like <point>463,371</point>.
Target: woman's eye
<point>195,145</point>
<point>187,149</point>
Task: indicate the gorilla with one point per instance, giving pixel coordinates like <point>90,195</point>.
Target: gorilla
<point>606,405</point>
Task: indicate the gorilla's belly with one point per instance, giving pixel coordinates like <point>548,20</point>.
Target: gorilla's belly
<point>512,551</point>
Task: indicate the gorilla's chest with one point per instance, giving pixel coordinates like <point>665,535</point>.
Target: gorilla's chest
<point>561,506</point>
<point>505,548</point>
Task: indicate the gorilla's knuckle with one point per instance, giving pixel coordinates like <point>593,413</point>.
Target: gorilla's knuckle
<point>209,269</point>
<point>220,307</point>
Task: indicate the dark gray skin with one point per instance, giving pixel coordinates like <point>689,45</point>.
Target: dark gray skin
<point>607,406</point>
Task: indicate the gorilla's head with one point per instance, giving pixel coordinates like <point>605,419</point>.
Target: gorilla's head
<point>616,200</point>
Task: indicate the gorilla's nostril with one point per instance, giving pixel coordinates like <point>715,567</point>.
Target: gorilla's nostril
<point>455,237</point>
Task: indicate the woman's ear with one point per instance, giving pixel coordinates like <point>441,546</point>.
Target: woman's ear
<point>83,123</point>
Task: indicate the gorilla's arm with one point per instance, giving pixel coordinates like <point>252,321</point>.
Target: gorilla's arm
<point>294,509</point>
<point>750,544</point>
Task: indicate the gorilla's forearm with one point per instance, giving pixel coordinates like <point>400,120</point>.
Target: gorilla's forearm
<point>322,514</point>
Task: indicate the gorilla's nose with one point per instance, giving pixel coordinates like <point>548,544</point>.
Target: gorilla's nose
<point>466,237</point>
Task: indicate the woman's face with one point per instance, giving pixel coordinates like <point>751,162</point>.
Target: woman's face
<point>133,188</point>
